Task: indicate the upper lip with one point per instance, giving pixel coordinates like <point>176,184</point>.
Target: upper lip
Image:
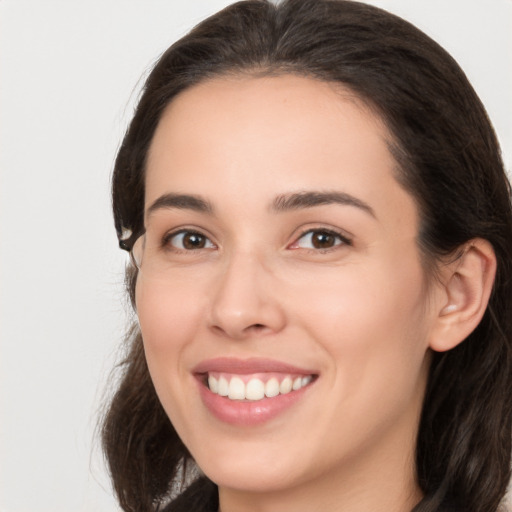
<point>248,366</point>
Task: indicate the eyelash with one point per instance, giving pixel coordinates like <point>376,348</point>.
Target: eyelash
<point>341,240</point>
<point>168,238</point>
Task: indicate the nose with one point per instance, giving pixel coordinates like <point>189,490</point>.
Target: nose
<point>244,302</point>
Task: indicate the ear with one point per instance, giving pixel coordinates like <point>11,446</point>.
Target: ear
<point>463,294</point>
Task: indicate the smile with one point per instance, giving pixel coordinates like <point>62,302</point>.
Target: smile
<point>250,392</point>
<point>255,387</point>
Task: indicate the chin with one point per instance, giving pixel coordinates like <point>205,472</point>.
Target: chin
<point>250,478</point>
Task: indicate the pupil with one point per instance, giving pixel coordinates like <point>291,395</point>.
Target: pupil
<point>322,240</point>
<point>193,241</point>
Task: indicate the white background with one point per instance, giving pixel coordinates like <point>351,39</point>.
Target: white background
<point>69,74</point>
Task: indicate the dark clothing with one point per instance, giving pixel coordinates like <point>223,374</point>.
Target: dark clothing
<point>201,496</point>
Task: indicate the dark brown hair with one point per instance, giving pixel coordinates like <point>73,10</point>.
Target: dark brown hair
<point>448,159</point>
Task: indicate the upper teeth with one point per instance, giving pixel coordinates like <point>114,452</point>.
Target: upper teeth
<point>235,388</point>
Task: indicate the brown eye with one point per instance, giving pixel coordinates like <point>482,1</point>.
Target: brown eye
<point>320,239</point>
<point>190,241</point>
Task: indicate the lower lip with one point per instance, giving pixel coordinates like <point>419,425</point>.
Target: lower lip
<point>248,413</point>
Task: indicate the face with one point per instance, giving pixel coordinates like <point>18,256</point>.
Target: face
<point>281,268</point>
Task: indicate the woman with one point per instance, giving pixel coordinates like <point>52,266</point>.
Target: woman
<point>320,230</point>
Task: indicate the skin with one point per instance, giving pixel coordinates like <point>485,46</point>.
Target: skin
<point>361,314</point>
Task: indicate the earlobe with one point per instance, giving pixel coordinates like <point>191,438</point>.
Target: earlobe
<point>466,287</point>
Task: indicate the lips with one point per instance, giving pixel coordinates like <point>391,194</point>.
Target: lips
<point>248,366</point>
<point>250,391</point>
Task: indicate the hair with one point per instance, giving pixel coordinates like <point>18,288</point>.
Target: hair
<point>448,159</point>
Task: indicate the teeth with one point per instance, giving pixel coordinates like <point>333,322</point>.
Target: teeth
<point>286,385</point>
<point>272,388</point>
<point>255,390</point>
<point>223,387</point>
<point>213,384</point>
<point>306,380</point>
<point>236,389</point>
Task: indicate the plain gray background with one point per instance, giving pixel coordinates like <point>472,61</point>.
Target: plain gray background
<point>69,75</point>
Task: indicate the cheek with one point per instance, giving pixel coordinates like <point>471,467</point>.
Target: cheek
<point>358,302</point>
<point>371,323</point>
<point>168,315</point>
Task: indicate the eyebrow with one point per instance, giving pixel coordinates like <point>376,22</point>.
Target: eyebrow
<point>299,200</point>
<point>181,202</point>
<point>282,203</point>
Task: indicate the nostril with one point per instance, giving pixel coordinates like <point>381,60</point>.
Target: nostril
<point>257,329</point>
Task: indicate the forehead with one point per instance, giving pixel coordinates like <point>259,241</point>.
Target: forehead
<point>253,138</point>
<point>277,111</point>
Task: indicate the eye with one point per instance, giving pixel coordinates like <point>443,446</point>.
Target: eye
<point>188,241</point>
<point>320,239</point>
